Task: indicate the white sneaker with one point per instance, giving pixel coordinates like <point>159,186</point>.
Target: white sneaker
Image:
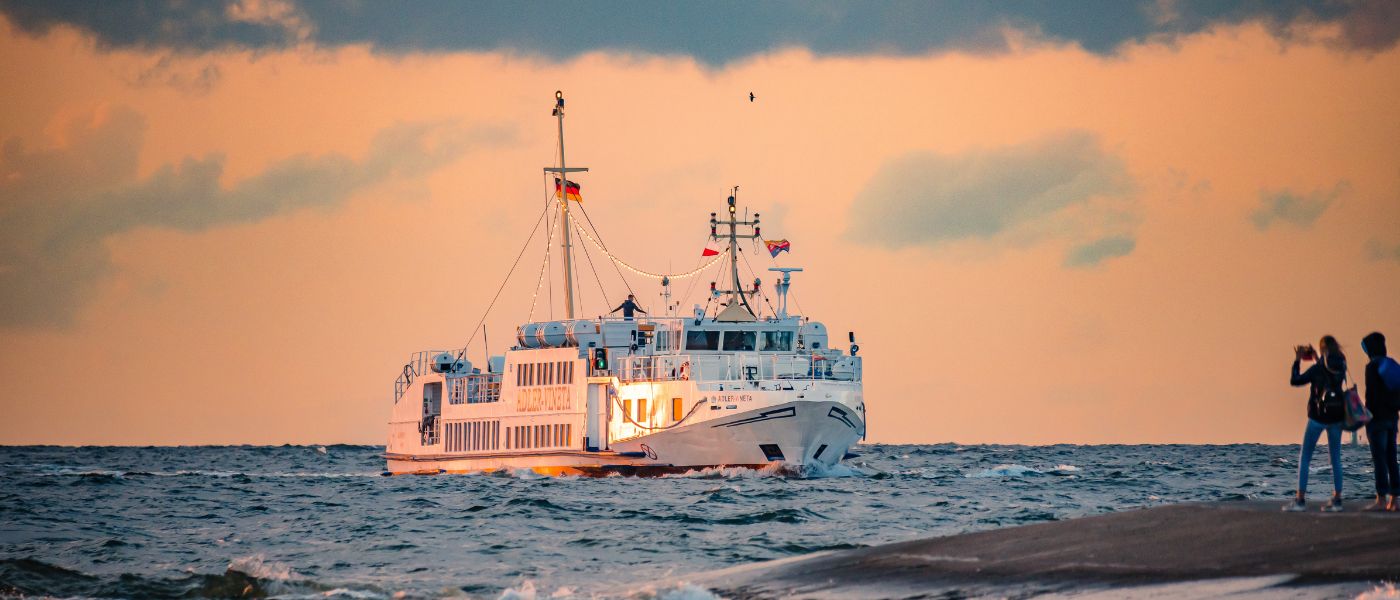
<point>1295,506</point>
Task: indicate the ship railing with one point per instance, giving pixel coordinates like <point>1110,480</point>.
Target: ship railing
<point>418,364</point>
<point>737,367</point>
<point>477,388</point>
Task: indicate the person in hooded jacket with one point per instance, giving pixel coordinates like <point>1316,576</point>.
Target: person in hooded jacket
<point>1326,412</point>
<point>1383,400</point>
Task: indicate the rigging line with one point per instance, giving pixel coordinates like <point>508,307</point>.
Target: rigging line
<point>578,284</point>
<point>618,261</point>
<point>603,248</point>
<point>607,302</point>
<point>743,299</point>
<point>691,287</point>
<point>758,277</point>
<point>544,262</point>
<point>482,322</point>
<point>548,258</point>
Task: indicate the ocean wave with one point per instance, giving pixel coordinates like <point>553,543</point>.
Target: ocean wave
<point>771,470</point>
<point>247,577</point>
<point>1015,470</point>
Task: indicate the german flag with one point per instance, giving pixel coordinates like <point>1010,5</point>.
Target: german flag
<point>571,190</point>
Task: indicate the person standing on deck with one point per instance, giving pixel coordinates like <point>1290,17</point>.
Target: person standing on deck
<point>1383,400</point>
<point>1326,411</point>
<point>627,307</point>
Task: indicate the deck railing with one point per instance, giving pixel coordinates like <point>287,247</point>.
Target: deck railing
<point>736,367</point>
<point>418,364</point>
<point>474,389</point>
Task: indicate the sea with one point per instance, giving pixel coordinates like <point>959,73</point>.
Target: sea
<point>323,522</point>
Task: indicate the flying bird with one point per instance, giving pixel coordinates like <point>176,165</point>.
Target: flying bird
<point>750,96</point>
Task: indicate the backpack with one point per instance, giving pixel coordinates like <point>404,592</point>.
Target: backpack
<point>1331,399</point>
<point>1389,371</point>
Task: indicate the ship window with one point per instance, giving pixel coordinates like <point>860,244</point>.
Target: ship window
<point>701,340</point>
<point>627,406</point>
<point>739,340</point>
<point>528,373</point>
<point>777,341</point>
<point>676,405</point>
<point>641,408</point>
<point>569,372</point>
<point>507,438</point>
<point>568,434</point>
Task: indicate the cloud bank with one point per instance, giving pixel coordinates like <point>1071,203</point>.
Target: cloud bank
<point>1060,186</point>
<point>715,32</point>
<point>59,206</point>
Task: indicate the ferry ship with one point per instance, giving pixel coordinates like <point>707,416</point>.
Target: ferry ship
<point>729,385</point>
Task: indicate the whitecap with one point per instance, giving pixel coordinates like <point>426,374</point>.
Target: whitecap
<point>1006,471</point>
<point>259,567</point>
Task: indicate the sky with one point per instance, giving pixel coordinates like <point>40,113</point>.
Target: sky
<point>1090,222</point>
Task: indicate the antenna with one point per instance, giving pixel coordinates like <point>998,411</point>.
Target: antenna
<point>783,286</point>
<point>738,308</point>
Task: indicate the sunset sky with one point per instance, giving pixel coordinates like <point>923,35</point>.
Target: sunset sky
<point>1079,222</point>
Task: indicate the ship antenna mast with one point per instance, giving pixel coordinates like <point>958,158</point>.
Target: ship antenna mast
<point>561,191</point>
<point>738,302</point>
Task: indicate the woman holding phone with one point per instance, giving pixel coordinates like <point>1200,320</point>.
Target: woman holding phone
<point>1326,411</point>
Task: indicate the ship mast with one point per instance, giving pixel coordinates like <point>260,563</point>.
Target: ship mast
<point>562,192</point>
<point>737,309</point>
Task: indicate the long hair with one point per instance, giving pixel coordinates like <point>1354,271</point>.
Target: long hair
<point>1327,350</point>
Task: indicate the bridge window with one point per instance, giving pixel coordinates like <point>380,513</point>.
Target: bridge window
<point>777,341</point>
<point>702,340</point>
<point>739,341</point>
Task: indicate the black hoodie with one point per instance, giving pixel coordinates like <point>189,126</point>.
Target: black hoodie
<point>1327,373</point>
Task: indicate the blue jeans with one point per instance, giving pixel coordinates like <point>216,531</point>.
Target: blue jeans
<point>1381,433</point>
<point>1334,450</point>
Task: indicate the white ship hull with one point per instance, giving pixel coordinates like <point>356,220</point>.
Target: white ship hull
<point>812,423</point>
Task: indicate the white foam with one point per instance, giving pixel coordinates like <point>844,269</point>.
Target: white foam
<point>1006,471</point>
<point>258,566</point>
<point>1378,592</point>
<point>524,591</point>
<point>680,591</point>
